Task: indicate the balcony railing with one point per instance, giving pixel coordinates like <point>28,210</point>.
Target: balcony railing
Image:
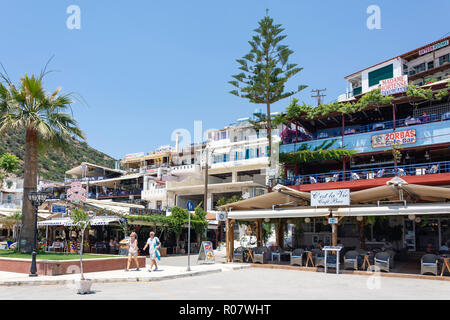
<point>399,123</point>
<point>369,173</point>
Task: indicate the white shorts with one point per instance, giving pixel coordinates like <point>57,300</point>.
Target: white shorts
<point>152,255</point>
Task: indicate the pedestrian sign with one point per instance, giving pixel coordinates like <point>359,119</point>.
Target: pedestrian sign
<point>206,252</point>
<point>190,205</point>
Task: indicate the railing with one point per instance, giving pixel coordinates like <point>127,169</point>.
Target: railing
<point>69,180</point>
<point>369,173</point>
<point>399,123</point>
<point>115,194</point>
<point>142,212</point>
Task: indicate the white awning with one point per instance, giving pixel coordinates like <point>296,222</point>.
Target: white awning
<point>100,221</point>
<point>302,212</point>
<point>394,210</point>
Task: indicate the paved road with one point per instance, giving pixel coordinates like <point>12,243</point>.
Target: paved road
<point>250,284</point>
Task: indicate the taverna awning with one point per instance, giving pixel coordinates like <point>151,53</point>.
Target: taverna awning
<point>281,196</point>
<point>399,189</point>
<point>394,210</point>
<point>298,212</point>
<point>96,221</point>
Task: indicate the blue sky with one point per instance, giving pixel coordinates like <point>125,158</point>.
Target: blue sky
<point>147,67</point>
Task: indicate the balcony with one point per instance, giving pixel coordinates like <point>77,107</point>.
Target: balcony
<point>431,129</point>
<point>421,169</point>
<point>154,194</point>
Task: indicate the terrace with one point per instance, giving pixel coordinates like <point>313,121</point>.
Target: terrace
<point>419,169</point>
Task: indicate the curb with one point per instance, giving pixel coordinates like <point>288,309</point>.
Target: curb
<point>106,280</point>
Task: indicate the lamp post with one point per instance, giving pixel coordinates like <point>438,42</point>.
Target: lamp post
<point>37,198</point>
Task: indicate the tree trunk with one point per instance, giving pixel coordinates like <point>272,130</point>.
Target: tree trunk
<point>30,184</point>
<point>81,253</point>
<point>280,233</point>
<point>269,136</point>
<point>362,235</point>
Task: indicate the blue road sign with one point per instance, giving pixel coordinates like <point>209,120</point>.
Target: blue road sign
<point>190,205</point>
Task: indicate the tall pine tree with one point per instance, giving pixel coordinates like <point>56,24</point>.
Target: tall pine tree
<point>265,70</point>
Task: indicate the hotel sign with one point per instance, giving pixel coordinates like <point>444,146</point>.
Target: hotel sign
<point>394,85</point>
<point>434,47</point>
<point>394,138</point>
<point>325,198</point>
<point>134,155</point>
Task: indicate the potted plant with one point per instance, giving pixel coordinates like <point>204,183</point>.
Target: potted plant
<point>81,221</point>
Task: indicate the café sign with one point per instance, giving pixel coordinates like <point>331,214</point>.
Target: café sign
<point>433,47</point>
<point>394,85</point>
<point>394,138</point>
<point>325,198</point>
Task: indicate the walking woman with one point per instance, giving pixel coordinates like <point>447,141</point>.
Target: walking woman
<point>133,251</point>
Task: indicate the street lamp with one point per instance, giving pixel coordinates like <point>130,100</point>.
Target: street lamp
<point>37,198</point>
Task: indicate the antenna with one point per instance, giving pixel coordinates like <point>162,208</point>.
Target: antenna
<point>318,96</point>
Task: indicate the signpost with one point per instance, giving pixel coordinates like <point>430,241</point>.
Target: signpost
<point>190,207</point>
<point>326,198</point>
<point>206,252</point>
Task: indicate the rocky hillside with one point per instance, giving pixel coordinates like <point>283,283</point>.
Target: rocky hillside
<point>52,164</point>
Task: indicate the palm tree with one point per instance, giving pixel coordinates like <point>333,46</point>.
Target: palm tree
<point>47,123</point>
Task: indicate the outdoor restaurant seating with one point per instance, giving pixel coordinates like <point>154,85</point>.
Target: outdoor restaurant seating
<point>351,260</point>
<point>319,259</point>
<point>429,264</point>
<point>297,257</point>
<point>238,254</point>
<point>383,261</point>
<point>259,254</point>
<point>392,255</point>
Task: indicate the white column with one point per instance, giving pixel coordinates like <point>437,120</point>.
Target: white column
<point>210,205</point>
<point>234,177</point>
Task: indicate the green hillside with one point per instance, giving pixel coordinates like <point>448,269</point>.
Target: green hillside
<point>52,164</point>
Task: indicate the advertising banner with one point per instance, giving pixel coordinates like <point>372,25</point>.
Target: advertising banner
<point>206,252</point>
<point>394,85</point>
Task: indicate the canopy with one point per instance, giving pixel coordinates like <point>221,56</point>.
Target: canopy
<point>110,182</point>
<point>398,188</point>
<point>300,212</point>
<point>394,210</point>
<point>282,195</point>
<point>78,170</point>
<point>96,221</point>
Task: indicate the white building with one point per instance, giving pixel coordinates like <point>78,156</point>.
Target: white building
<point>430,62</point>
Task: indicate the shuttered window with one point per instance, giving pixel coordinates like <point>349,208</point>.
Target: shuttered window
<point>376,76</point>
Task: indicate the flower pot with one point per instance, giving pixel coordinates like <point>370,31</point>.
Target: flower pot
<point>163,252</point>
<point>84,286</point>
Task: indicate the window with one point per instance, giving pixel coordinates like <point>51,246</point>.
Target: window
<point>216,136</point>
<point>430,65</point>
<point>419,68</point>
<point>224,157</point>
<point>223,135</point>
<point>376,76</point>
<point>443,59</point>
<point>357,91</point>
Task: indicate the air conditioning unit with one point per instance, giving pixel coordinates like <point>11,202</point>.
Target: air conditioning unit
<point>221,216</point>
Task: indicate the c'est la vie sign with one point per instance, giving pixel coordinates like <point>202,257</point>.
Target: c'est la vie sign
<point>336,197</point>
<point>394,138</point>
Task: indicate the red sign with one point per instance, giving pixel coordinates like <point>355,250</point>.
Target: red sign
<point>394,138</point>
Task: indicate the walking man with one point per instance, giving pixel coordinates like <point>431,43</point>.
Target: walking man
<point>153,244</point>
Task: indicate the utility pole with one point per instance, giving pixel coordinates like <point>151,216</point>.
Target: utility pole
<point>205,196</point>
<point>318,96</point>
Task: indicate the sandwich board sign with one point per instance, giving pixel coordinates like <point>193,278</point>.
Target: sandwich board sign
<point>206,252</point>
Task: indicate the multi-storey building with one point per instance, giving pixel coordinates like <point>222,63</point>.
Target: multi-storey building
<point>408,138</point>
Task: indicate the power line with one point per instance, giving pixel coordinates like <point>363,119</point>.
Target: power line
<point>318,96</point>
